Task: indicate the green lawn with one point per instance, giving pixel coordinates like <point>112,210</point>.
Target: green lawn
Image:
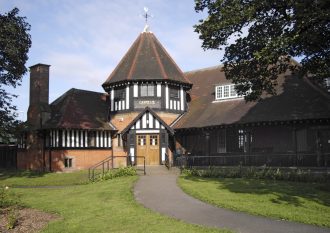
<point>301,202</point>
<point>30,178</point>
<point>106,206</point>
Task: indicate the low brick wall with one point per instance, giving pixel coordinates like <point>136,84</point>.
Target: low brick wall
<point>80,159</point>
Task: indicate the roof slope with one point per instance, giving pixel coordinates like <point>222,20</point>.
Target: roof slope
<point>146,59</point>
<point>80,109</point>
<point>296,99</point>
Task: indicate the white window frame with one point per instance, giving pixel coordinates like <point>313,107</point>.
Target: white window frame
<point>221,90</point>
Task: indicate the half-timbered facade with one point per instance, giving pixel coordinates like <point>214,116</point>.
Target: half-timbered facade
<point>148,92</point>
<point>152,109</point>
<point>291,128</point>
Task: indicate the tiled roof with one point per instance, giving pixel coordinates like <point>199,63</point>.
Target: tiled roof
<point>296,99</point>
<point>80,109</point>
<point>146,60</point>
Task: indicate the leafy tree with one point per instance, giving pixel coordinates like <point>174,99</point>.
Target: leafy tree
<point>260,37</point>
<point>15,42</point>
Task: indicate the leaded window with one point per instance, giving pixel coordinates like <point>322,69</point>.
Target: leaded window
<point>147,90</point>
<point>174,93</point>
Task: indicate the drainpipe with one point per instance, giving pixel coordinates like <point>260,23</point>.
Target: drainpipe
<point>50,159</point>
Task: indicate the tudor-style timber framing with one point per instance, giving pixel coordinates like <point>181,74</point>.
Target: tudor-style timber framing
<point>147,123</point>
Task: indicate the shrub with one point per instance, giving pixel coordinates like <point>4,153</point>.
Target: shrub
<point>12,218</point>
<point>7,197</point>
<point>297,175</point>
<point>111,174</point>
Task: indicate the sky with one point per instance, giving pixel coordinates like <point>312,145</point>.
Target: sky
<point>84,40</point>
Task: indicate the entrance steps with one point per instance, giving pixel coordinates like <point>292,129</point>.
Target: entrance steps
<point>158,170</point>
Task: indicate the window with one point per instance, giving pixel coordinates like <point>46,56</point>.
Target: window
<point>147,90</point>
<point>241,140</point>
<point>92,139</point>
<point>120,94</point>
<point>221,141</point>
<point>327,84</point>
<point>226,92</point>
<point>245,138</point>
<point>142,140</point>
<point>153,140</point>
<point>68,162</point>
<point>232,90</point>
<point>218,92</point>
<point>174,93</point>
<point>119,140</point>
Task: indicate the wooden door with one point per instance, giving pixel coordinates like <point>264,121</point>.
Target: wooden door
<point>148,146</point>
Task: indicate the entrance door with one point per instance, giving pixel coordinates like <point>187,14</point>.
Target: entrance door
<point>148,145</point>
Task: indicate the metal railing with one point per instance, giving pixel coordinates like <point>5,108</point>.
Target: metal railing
<point>269,160</point>
<point>167,161</point>
<point>107,164</point>
<point>134,163</point>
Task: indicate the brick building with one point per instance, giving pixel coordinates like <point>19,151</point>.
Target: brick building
<point>151,108</point>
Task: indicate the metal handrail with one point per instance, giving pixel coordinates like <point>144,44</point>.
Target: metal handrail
<point>167,161</point>
<point>91,170</point>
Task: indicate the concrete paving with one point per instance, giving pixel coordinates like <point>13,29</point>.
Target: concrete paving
<point>158,191</point>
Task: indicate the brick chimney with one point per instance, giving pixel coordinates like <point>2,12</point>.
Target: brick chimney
<point>39,110</point>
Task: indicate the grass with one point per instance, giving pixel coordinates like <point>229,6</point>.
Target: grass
<point>106,206</point>
<point>301,202</point>
<point>32,178</point>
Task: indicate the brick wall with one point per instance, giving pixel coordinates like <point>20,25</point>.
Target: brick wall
<point>81,159</point>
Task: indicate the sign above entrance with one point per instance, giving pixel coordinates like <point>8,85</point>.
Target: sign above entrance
<point>145,103</point>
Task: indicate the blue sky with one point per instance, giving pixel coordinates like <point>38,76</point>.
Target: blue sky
<point>83,41</point>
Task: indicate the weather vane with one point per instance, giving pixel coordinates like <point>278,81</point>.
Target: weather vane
<point>146,15</point>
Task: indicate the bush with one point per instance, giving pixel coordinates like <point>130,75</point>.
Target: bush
<point>12,218</point>
<point>297,175</point>
<point>7,197</point>
<point>122,171</point>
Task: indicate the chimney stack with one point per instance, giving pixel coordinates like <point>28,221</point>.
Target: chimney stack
<point>39,110</point>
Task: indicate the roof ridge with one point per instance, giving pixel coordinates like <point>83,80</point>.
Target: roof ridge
<point>158,59</point>
<point>73,90</point>
<point>129,76</point>
<point>316,87</point>
<point>168,55</point>
<point>204,69</point>
<point>122,60</point>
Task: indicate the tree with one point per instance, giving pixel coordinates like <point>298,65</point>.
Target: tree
<point>15,43</point>
<point>260,37</point>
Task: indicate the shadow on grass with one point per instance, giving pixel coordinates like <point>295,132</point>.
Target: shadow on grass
<point>285,192</point>
<point>5,174</point>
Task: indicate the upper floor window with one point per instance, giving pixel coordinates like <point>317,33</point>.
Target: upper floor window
<point>174,93</point>
<point>147,90</point>
<point>327,83</point>
<point>225,92</point>
<point>120,94</point>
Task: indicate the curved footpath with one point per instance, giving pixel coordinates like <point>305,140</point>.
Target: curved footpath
<point>158,191</point>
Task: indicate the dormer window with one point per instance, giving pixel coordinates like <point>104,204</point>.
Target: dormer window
<point>226,92</point>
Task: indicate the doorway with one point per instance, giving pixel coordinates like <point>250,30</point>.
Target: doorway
<point>148,145</point>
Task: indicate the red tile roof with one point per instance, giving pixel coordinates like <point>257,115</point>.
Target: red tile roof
<point>146,60</point>
<point>296,99</point>
<point>80,109</point>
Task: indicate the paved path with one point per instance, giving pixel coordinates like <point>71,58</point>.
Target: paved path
<point>158,191</point>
